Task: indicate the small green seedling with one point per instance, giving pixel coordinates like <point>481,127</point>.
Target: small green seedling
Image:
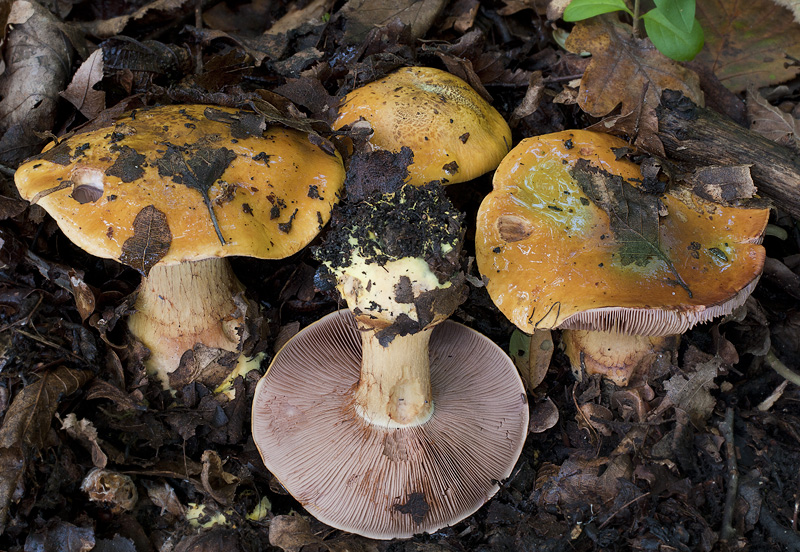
<point>670,25</point>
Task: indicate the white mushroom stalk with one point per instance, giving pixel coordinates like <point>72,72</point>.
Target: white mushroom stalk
<point>400,277</point>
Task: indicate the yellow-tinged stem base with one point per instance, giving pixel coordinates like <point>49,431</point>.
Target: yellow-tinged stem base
<point>395,385</point>
<point>184,304</point>
<point>614,355</point>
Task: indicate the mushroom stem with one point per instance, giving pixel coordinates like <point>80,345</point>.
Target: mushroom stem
<point>395,385</point>
<point>183,304</point>
<point>614,355</point>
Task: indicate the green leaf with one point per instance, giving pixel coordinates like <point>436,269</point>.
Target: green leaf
<point>578,10</point>
<point>671,40</point>
<point>633,216</point>
<point>678,12</point>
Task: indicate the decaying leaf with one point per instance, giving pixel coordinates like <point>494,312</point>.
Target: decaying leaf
<point>105,28</point>
<point>723,184</point>
<point>628,72</point>
<point>38,59</point>
<point>747,42</point>
<point>364,15</point>
<point>292,533</point>
<point>81,92</point>
<point>60,536</point>
<point>791,5</point>
<point>150,241</point>
<point>115,490</point>
<point>633,216</point>
<point>164,497</point>
<point>25,428</point>
<point>531,355</point>
<point>543,415</point>
<point>219,484</point>
<point>692,394</point>
<point>84,431</point>
<point>771,122</point>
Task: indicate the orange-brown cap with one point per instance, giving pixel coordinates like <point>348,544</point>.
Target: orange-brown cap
<point>555,259</point>
<point>192,181</point>
<point>381,482</point>
<point>454,133</point>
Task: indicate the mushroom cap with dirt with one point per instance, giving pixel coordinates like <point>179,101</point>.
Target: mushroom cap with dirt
<point>390,420</point>
<point>569,239</point>
<point>171,191</point>
<point>454,134</point>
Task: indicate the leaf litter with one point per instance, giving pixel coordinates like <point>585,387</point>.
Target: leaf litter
<point>639,468</point>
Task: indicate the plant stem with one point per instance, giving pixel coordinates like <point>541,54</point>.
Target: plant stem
<point>637,31</point>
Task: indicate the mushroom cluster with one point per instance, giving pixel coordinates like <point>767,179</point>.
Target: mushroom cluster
<point>171,191</point>
<point>387,420</point>
<point>569,239</point>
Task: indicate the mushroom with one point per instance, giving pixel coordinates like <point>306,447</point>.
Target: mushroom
<point>569,239</point>
<point>389,420</point>
<point>454,133</point>
<point>171,191</point>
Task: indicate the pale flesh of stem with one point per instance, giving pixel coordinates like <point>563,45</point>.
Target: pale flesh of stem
<point>184,304</point>
<point>395,385</point>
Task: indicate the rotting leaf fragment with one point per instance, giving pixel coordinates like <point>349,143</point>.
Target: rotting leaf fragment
<point>150,241</point>
<point>633,216</point>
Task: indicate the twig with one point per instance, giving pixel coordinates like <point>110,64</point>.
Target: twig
<point>775,363</point>
<point>618,510</point>
<point>778,532</point>
<point>728,533</point>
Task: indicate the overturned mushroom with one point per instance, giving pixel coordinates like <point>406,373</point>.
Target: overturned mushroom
<point>568,239</point>
<point>389,420</point>
<point>454,134</point>
<point>171,191</point>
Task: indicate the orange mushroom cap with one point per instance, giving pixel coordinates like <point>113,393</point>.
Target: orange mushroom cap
<point>170,173</point>
<point>454,133</point>
<point>554,258</point>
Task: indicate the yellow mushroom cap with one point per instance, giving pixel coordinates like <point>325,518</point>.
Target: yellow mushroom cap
<point>552,259</point>
<point>149,188</point>
<point>454,133</point>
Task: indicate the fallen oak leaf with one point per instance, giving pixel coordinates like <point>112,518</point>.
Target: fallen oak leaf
<point>626,72</point>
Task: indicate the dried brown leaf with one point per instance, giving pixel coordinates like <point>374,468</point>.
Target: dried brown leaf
<point>723,184</point>
<point>219,484</point>
<point>81,92</point>
<point>692,394</point>
<point>115,490</point>
<point>461,15</point>
<point>110,27</point>
<point>746,42</point>
<point>60,536</point>
<point>150,241</point>
<point>791,5</point>
<point>771,122</point>
<point>292,533</point>
<point>627,72</point>
<point>84,431</point>
<point>25,428</point>
<point>164,497</point>
<point>543,416</point>
<point>364,15</point>
<point>38,59</point>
